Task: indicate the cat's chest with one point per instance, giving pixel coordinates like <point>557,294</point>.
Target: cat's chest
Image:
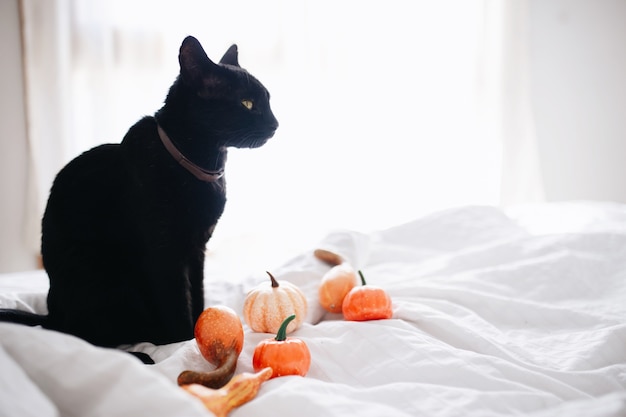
<point>184,209</point>
<point>205,202</point>
<point>162,193</point>
<point>194,202</point>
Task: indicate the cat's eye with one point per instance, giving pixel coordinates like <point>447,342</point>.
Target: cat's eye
<point>248,104</point>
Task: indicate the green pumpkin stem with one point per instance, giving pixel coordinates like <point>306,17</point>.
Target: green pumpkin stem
<point>282,330</point>
<point>362,278</point>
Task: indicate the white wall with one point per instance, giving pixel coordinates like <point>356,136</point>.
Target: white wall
<point>578,76</point>
<point>14,251</point>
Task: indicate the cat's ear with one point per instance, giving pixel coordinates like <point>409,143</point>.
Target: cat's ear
<point>231,56</point>
<point>194,62</point>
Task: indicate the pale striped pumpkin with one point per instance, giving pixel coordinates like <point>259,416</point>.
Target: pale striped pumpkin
<point>269,304</point>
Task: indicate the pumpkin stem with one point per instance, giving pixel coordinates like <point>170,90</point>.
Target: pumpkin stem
<point>274,282</point>
<point>282,330</point>
<point>362,278</point>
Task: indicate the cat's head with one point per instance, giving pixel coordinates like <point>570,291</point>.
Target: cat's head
<point>223,99</point>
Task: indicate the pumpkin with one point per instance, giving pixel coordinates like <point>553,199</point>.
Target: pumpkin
<point>219,336</point>
<point>241,389</point>
<point>285,355</point>
<point>336,283</point>
<point>268,304</point>
<point>367,302</point>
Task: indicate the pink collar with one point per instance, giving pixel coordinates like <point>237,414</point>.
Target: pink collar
<point>200,173</point>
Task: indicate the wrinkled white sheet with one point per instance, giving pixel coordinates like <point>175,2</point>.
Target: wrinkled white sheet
<point>495,314</point>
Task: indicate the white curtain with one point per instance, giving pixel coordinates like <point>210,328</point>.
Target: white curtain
<point>388,109</point>
<point>505,99</point>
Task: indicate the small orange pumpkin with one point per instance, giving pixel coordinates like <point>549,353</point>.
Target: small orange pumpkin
<point>266,306</point>
<point>285,355</point>
<point>367,302</point>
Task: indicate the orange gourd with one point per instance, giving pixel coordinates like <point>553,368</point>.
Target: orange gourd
<point>336,283</point>
<point>241,389</point>
<point>268,304</point>
<point>285,355</point>
<point>331,258</point>
<point>219,336</point>
<point>367,302</point>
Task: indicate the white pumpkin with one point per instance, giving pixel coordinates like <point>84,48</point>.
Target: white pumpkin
<point>269,304</point>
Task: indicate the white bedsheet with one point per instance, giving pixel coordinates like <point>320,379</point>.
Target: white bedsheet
<point>495,314</point>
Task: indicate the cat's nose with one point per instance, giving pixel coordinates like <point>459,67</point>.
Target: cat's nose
<point>273,122</point>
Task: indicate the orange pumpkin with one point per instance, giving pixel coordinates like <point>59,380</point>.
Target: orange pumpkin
<point>268,304</point>
<point>367,302</point>
<point>219,336</point>
<point>285,355</point>
<point>336,283</point>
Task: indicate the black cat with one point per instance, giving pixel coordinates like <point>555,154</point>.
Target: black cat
<point>126,225</point>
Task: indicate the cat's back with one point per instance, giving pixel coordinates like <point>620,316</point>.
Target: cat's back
<point>85,192</point>
<point>97,167</point>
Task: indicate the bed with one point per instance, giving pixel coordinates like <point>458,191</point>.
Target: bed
<point>495,313</point>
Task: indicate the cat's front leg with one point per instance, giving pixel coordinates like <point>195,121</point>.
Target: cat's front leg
<point>196,281</point>
<point>196,271</point>
<point>169,298</point>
